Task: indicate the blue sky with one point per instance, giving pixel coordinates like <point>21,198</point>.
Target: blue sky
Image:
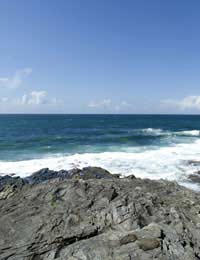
<point>99,56</point>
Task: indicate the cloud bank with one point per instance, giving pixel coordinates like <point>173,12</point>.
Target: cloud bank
<point>34,98</point>
<point>16,101</point>
<point>187,103</point>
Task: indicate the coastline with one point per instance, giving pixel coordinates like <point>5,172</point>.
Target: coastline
<point>80,214</point>
<point>152,146</point>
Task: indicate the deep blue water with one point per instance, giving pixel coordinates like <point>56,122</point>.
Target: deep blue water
<point>32,136</point>
<point>152,146</point>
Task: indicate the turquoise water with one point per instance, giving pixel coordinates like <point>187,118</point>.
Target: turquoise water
<point>32,136</point>
<point>140,144</point>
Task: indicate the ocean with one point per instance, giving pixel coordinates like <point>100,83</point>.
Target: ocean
<point>148,146</point>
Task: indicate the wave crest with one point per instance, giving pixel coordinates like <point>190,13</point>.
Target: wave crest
<point>159,132</point>
<point>190,133</point>
<point>153,131</point>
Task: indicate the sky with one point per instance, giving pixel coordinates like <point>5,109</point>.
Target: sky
<point>100,56</point>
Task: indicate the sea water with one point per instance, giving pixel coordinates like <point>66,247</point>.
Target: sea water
<point>148,146</point>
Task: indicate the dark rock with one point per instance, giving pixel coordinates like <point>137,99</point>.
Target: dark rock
<point>194,162</point>
<point>46,174</point>
<point>195,178</point>
<point>131,177</point>
<point>8,180</point>
<point>93,173</point>
<point>116,175</point>
<point>86,173</point>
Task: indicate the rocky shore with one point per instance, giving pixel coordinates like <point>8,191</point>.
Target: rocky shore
<point>92,214</point>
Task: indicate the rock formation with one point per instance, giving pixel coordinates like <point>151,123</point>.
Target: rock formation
<point>92,214</point>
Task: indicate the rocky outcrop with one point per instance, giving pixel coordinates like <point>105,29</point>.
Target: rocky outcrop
<point>91,214</point>
<point>85,173</point>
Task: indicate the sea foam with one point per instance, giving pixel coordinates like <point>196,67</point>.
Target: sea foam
<point>158,131</point>
<point>165,162</point>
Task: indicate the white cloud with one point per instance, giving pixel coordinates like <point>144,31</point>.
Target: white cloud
<point>34,98</point>
<point>100,104</point>
<point>189,102</point>
<point>16,80</point>
<point>108,104</point>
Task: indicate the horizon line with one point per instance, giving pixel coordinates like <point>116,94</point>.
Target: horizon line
<point>104,114</point>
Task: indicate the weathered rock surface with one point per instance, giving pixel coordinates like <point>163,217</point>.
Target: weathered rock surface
<point>91,214</point>
<point>85,173</point>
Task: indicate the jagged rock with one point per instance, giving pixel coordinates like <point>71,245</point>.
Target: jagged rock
<point>9,180</point>
<point>93,215</point>
<point>92,173</point>
<point>86,173</point>
<point>46,174</point>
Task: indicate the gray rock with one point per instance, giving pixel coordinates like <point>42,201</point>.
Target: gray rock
<point>9,180</point>
<point>86,173</point>
<point>90,214</point>
<point>129,238</point>
<point>148,243</point>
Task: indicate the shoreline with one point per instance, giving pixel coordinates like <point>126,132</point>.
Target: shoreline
<point>191,180</point>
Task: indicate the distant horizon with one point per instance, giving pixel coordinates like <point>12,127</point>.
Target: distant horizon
<point>112,114</point>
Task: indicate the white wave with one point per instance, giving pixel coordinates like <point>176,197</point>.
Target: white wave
<point>158,131</point>
<point>153,131</point>
<point>190,133</point>
<point>166,162</point>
